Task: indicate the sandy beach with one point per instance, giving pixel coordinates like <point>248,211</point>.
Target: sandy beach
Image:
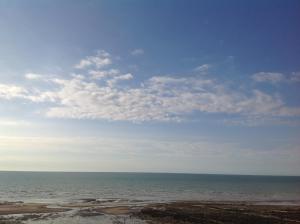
<point>181,212</point>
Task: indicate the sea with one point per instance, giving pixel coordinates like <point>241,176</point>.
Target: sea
<point>143,188</point>
<point>155,187</point>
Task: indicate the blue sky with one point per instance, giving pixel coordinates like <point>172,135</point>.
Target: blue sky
<point>150,86</point>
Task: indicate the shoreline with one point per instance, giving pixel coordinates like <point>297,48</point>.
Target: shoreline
<point>187,212</point>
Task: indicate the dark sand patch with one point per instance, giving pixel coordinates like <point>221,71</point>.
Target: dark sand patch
<point>118,210</point>
<point>221,213</point>
<point>90,212</point>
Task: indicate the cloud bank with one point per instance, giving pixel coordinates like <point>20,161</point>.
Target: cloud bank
<point>275,77</point>
<point>98,92</point>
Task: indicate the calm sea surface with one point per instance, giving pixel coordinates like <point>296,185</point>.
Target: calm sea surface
<point>64,187</point>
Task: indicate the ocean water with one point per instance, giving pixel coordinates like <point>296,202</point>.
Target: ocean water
<point>146,187</point>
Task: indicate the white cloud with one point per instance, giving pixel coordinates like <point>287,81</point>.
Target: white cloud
<point>100,94</point>
<point>11,91</point>
<point>102,59</point>
<point>116,79</point>
<point>137,52</point>
<point>203,68</point>
<point>160,99</point>
<point>295,77</point>
<point>100,74</point>
<point>33,76</point>
<point>272,77</point>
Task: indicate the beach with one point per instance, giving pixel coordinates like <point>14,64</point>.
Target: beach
<point>181,212</point>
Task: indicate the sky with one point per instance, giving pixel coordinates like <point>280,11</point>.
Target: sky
<point>193,86</point>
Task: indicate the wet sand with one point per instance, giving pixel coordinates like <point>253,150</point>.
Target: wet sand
<point>9,208</point>
<point>183,212</point>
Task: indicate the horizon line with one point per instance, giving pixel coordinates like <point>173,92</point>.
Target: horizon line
<point>148,172</point>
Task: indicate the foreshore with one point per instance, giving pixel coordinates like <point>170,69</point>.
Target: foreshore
<point>181,212</point>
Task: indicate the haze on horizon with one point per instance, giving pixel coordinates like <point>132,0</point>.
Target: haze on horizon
<point>150,86</point>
